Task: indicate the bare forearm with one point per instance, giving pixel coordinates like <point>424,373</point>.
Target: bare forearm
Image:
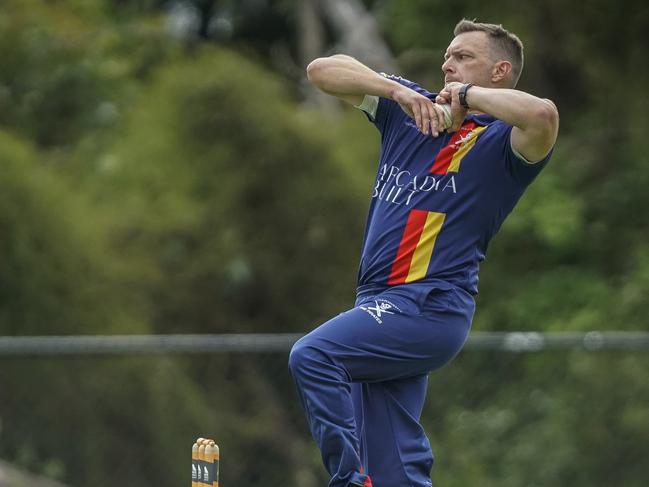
<point>344,75</point>
<point>535,121</point>
<point>350,80</point>
<point>517,108</point>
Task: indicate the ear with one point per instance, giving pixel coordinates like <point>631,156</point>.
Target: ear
<point>501,71</point>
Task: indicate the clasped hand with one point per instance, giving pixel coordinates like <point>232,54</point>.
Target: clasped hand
<point>428,115</point>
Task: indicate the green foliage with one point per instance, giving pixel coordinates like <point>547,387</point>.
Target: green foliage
<point>187,207</point>
<point>546,419</point>
<point>65,74</point>
<point>237,188</point>
<point>49,284</point>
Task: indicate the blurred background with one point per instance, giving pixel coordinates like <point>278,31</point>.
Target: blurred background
<point>165,168</point>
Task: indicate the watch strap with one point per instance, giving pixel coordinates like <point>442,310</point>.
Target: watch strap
<point>462,94</point>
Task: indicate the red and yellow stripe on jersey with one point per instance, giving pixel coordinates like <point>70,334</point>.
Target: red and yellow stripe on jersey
<point>450,157</point>
<point>416,247</point>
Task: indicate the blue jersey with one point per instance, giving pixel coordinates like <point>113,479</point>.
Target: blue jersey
<point>437,202</point>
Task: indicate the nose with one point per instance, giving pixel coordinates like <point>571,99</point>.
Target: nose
<point>447,66</point>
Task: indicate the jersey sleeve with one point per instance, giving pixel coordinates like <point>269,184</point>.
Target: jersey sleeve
<point>523,172</point>
<point>386,114</point>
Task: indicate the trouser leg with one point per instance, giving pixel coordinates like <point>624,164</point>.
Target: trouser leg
<point>393,445</point>
<point>386,339</point>
<point>324,388</point>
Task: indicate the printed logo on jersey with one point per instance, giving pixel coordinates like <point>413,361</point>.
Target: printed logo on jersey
<point>416,247</point>
<point>398,186</point>
<point>450,157</point>
<point>380,307</point>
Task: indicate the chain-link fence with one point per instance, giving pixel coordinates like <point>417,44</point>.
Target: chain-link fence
<point>99,411</point>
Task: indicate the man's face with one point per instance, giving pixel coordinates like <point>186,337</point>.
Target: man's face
<point>469,59</point>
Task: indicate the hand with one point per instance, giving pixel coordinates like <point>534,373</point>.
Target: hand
<point>450,95</point>
<point>428,116</point>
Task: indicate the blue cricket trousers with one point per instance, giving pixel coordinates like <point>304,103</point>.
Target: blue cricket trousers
<point>362,379</point>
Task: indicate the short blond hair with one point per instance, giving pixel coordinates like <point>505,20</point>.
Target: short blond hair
<point>505,44</point>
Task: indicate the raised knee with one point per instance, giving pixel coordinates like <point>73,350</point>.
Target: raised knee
<point>303,355</point>
<point>296,356</point>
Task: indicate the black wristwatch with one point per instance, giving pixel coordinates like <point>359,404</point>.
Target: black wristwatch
<point>462,94</point>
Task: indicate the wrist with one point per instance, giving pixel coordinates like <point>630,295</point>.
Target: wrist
<point>463,93</point>
<point>394,89</point>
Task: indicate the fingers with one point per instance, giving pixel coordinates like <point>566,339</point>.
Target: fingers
<point>449,95</point>
<point>422,117</point>
<point>436,125</point>
<point>443,97</point>
<point>429,118</point>
<point>432,119</point>
<point>426,120</point>
<point>458,113</point>
<point>416,110</point>
<point>441,117</point>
